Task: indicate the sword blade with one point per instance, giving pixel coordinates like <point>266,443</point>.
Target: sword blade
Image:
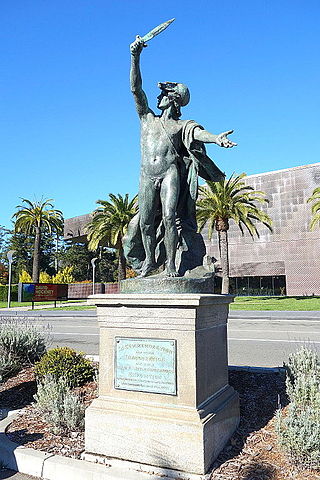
<point>155,31</point>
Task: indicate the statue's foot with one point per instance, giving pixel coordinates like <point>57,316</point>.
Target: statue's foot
<point>146,270</point>
<point>171,272</point>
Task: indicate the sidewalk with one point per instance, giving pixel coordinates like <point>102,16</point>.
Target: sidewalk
<point>40,307</point>
<point>275,314</point>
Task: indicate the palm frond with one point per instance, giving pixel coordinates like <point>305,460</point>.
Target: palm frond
<point>37,214</point>
<point>110,221</point>
<point>232,199</point>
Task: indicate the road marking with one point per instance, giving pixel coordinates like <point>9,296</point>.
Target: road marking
<point>270,340</point>
<point>276,319</point>
<point>72,333</point>
<point>272,331</point>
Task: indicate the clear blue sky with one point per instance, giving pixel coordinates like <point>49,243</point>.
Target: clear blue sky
<point>68,127</point>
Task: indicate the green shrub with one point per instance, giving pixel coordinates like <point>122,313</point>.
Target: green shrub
<point>4,293</point>
<point>22,341</point>
<point>58,405</point>
<point>299,430</point>
<point>9,366</point>
<point>67,363</point>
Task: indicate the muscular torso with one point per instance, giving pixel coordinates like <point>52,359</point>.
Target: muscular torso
<point>158,154</point>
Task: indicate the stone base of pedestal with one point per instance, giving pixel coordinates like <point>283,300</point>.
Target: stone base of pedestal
<point>180,439</point>
<point>182,428</point>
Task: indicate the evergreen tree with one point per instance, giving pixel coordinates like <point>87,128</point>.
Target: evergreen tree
<point>109,225</point>
<point>4,233</point>
<point>36,218</point>
<point>79,257</point>
<point>23,245</point>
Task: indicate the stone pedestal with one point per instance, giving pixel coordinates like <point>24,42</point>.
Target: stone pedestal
<point>186,425</point>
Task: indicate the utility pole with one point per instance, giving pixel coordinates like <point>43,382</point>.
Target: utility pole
<point>10,260</point>
<point>93,263</point>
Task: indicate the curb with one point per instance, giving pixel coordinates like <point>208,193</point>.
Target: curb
<point>247,368</point>
<point>56,467</point>
<point>15,457</point>
<point>28,308</point>
<point>35,315</point>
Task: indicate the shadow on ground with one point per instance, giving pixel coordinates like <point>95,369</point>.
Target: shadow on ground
<point>14,475</point>
<point>258,471</point>
<point>260,396</point>
<point>22,436</point>
<point>18,396</point>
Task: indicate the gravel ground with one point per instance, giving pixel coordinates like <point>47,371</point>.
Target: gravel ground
<point>251,454</point>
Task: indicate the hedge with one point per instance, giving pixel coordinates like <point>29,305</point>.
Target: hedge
<point>4,293</point>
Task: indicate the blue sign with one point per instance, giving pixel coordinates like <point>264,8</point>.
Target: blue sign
<point>145,365</point>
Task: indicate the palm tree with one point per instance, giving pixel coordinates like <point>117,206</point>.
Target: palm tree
<point>109,225</point>
<point>37,217</point>
<point>230,199</point>
<point>315,208</point>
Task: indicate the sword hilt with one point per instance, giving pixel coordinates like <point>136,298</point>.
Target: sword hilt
<point>139,37</point>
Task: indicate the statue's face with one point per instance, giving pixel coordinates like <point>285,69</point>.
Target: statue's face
<point>163,101</point>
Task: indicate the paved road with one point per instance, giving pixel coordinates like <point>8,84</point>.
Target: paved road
<point>266,340</point>
<point>262,339</point>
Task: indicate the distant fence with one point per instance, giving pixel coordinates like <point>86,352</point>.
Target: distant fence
<point>111,288</point>
<point>83,290</point>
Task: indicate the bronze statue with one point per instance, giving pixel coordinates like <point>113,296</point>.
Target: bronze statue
<point>172,157</point>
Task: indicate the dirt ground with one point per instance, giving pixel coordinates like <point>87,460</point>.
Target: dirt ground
<point>251,454</point>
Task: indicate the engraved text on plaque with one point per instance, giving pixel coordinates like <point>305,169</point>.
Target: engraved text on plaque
<point>145,365</point>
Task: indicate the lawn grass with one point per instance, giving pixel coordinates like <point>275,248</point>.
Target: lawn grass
<point>276,303</point>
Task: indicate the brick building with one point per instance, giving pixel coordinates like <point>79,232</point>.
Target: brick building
<point>288,259</point>
<point>284,261</point>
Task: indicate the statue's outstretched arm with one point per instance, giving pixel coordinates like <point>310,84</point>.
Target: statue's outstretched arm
<point>222,139</point>
<point>136,79</point>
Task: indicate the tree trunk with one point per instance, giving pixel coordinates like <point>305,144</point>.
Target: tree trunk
<point>122,265</point>
<point>36,256</point>
<point>224,256</point>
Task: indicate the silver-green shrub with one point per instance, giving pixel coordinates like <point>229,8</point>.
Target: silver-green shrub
<point>299,430</point>
<point>22,341</point>
<point>8,367</point>
<point>73,412</point>
<point>61,408</point>
<point>303,375</point>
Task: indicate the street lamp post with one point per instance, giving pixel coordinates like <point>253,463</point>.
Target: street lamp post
<point>93,263</point>
<point>10,259</point>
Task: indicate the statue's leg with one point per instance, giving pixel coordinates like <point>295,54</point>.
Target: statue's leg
<point>169,195</point>
<point>147,207</point>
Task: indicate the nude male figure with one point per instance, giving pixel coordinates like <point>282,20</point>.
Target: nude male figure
<point>161,149</point>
